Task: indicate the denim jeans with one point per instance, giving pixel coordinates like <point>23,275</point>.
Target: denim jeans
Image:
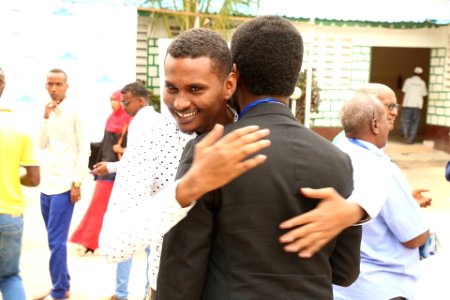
<point>147,282</point>
<point>57,212</point>
<point>11,231</point>
<point>410,122</point>
<point>123,274</point>
<point>122,277</point>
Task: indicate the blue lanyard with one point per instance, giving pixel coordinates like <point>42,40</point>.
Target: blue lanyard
<point>358,143</point>
<point>257,102</point>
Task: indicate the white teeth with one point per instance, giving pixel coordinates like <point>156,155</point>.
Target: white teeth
<point>186,115</point>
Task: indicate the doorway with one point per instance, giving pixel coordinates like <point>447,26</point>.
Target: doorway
<point>391,66</point>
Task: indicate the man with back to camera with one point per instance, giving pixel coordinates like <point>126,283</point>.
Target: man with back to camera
<point>63,134</point>
<point>227,247</point>
<point>414,89</point>
<point>18,150</point>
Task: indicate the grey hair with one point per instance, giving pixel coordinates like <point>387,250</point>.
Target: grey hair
<point>357,113</point>
<point>376,91</point>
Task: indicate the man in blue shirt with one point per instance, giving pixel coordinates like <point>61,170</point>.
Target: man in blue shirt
<point>389,246</point>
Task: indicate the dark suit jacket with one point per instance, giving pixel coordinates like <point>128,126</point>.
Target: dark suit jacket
<point>227,247</point>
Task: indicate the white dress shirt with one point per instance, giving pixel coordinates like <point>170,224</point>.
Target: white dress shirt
<point>63,134</point>
<point>141,208</point>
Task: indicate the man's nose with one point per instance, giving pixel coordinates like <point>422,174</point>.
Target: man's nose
<point>394,112</point>
<point>181,101</point>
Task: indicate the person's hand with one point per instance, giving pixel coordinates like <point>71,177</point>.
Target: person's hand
<point>49,108</point>
<point>75,194</point>
<point>423,200</point>
<point>218,160</point>
<point>100,169</point>
<point>310,231</point>
<point>118,149</point>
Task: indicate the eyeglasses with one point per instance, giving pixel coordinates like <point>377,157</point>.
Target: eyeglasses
<point>392,106</point>
<point>126,102</point>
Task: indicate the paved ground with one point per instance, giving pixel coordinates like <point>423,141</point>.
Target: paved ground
<point>93,279</point>
<point>424,168</point>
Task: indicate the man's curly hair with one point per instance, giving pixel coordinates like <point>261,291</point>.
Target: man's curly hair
<point>268,52</point>
<point>202,42</point>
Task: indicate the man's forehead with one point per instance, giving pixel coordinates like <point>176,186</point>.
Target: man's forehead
<point>388,98</point>
<point>203,64</point>
<point>127,94</point>
<point>385,95</point>
<point>56,76</point>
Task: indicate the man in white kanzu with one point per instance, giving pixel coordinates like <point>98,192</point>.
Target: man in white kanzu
<point>414,90</point>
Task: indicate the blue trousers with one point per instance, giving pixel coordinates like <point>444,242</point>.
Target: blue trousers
<point>123,275</point>
<point>11,231</point>
<point>57,212</point>
<point>410,122</point>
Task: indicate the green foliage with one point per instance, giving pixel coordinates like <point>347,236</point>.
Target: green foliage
<point>187,14</point>
<point>155,102</point>
<point>315,96</point>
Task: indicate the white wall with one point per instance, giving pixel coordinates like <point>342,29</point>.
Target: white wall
<point>381,37</point>
<point>94,44</point>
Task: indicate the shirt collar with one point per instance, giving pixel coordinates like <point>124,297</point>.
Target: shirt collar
<point>374,149</point>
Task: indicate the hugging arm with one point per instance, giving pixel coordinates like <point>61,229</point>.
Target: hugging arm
<point>218,160</point>
<point>310,231</point>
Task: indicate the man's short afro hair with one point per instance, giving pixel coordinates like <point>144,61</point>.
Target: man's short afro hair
<point>268,52</point>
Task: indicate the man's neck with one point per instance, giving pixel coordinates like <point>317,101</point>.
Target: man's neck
<point>247,98</point>
<point>225,116</point>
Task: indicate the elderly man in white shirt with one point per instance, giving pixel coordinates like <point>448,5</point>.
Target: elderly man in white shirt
<point>63,135</point>
<point>389,246</point>
<point>414,89</point>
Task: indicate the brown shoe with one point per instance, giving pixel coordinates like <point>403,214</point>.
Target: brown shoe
<point>44,297</point>
<point>114,297</point>
<point>51,298</point>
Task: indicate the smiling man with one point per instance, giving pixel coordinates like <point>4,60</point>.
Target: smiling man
<point>322,223</point>
<point>199,83</point>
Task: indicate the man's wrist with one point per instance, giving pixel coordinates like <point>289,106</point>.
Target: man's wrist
<point>76,184</point>
<point>187,191</point>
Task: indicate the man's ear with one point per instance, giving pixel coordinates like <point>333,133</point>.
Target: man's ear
<point>230,84</point>
<point>374,127</point>
<point>142,101</point>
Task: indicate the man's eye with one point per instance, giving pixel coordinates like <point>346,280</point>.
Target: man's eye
<point>195,89</point>
<point>170,87</point>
